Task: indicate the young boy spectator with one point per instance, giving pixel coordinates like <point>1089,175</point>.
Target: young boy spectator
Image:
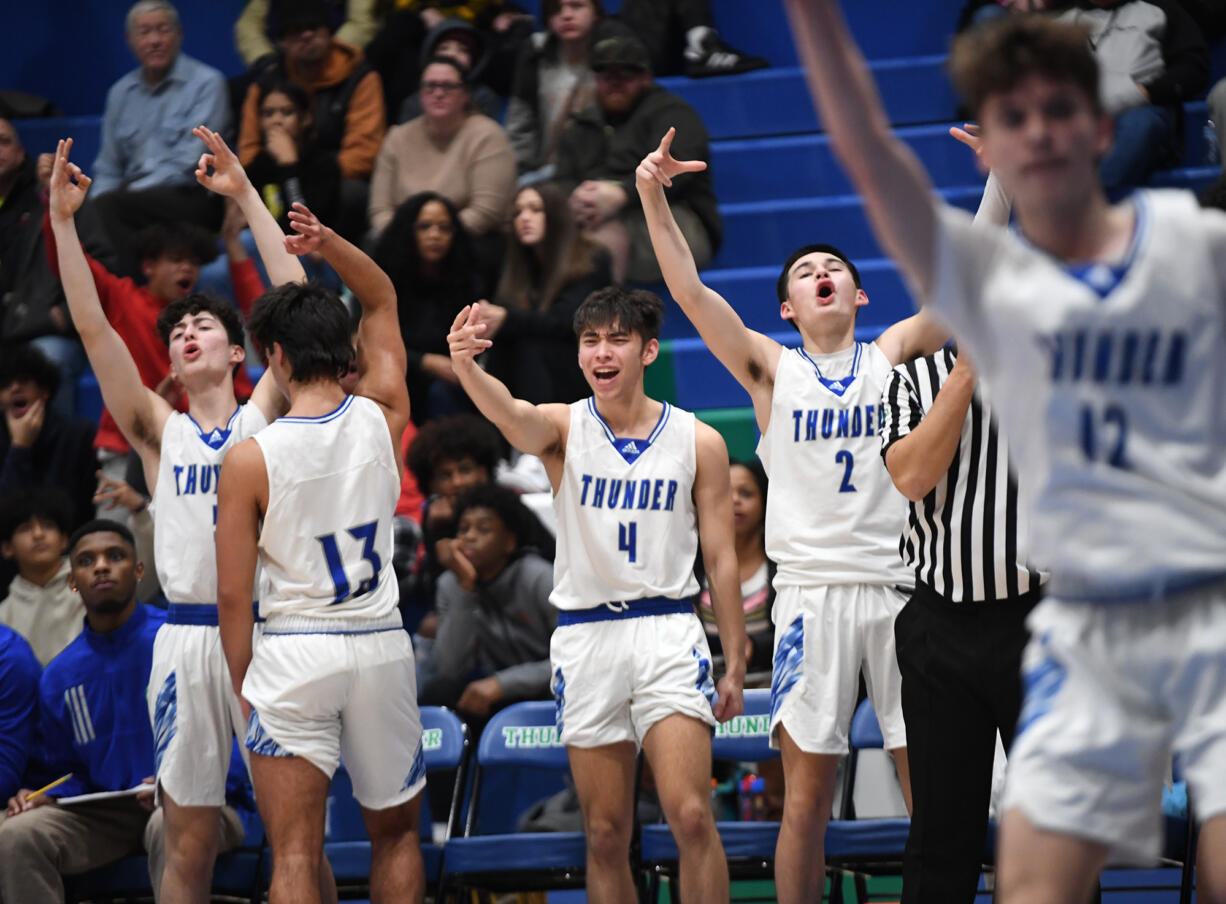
<point>495,619</point>
<point>40,446</point>
<point>41,605</point>
<point>19,674</point>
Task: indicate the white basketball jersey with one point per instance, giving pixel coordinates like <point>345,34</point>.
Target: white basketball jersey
<point>627,526</point>
<point>184,503</point>
<point>833,515</point>
<point>1111,383</point>
<point>326,540</point>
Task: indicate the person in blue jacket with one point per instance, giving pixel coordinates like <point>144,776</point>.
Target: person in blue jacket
<point>93,723</point>
<point>19,674</point>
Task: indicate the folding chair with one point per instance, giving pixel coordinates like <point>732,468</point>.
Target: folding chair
<point>521,738</point>
<point>863,846</point>
<point>444,742</point>
<point>748,846</point>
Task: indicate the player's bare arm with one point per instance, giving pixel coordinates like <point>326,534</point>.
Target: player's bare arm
<point>896,191</point>
<point>139,411</point>
<point>229,179</point>
<point>242,496</point>
<point>713,503</point>
<point>919,334</point>
<point>381,355</point>
<point>919,460</point>
<point>535,429</point>
<point>749,356</point>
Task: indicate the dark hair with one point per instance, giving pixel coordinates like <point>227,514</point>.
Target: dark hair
<point>175,240</point>
<point>754,467</point>
<point>504,501</point>
<point>553,7</point>
<point>288,15</point>
<point>312,327</point>
<point>634,310</point>
<point>450,439</point>
<point>100,526</point>
<point>45,503</point>
<point>202,303</point>
<point>448,61</point>
<point>28,361</point>
<point>993,59</point>
<point>781,284</point>
<point>397,253</point>
<point>532,281</point>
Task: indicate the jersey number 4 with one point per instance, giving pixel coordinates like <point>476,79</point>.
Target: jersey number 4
<point>628,540</point>
<point>336,567</point>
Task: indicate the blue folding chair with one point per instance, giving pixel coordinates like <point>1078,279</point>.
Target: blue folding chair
<point>748,846</point>
<point>863,846</point>
<point>444,742</point>
<point>521,739</point>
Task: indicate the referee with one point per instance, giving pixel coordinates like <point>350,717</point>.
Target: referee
<point>960,637</point>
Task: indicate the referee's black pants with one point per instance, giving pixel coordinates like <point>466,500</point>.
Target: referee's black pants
<point>961,682</point>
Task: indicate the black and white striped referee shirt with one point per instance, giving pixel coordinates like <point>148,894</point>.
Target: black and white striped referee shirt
<point>966,539</point>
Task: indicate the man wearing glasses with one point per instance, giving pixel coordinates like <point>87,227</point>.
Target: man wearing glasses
<point>144,171</point>
<point>601,147</point>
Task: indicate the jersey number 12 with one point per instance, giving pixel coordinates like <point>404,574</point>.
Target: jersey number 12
<point>332,555</point>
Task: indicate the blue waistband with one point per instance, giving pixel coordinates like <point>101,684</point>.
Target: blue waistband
<point>199,614</point>
<point>191,614</point>
<point>650,605</point>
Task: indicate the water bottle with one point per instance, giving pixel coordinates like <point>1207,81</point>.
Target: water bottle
<point>1213,153</point>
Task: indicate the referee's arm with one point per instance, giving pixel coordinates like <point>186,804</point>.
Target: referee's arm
<point>919,447</point>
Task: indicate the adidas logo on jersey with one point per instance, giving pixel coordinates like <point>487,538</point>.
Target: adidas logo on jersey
<point>631,448</point>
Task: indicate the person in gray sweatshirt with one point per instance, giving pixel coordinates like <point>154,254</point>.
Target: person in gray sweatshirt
<point>495,618</point>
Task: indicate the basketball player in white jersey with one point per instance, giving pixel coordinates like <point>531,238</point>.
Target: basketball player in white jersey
<point>637,484</point>
<point>833,516</point>
<point>1101,329</point>
<point>195,715</point>
<point>312,496</point>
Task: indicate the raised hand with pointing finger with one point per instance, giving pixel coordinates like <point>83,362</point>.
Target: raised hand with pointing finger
<point>660,166</point>
<point>464,340</point>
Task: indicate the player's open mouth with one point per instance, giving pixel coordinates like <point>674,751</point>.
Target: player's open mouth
<point>191,351</point>
<point>604,374</point>
<point>825,289</point>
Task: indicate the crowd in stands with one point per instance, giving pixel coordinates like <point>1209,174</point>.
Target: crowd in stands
<point>483,158</point>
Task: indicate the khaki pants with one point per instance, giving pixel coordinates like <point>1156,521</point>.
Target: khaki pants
<point>41,845</point>
<point>642,267</point>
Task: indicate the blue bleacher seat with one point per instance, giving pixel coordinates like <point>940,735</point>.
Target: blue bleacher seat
<point>521,737</point>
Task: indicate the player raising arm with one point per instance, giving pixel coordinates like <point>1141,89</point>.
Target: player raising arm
<point>1100,330</point>
<point>637,485</point>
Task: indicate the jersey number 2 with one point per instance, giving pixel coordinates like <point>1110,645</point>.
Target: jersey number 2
<point>844,458</point>
<point>332,555</point>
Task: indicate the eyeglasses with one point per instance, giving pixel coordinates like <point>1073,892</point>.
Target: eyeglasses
<point>162,30</point>
<point>441,87</point>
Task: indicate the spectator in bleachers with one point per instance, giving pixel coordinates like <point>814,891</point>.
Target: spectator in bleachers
<point>19,674</point>
<point>1152,58</point>
<point>494,615</point>
<point>601,147</point>
<point>345,96</point>
<point>38,445</point>
<point>681,37</point>
<point>459,41</point>
<point>41,605</point>
<point>170,258</point>
<point>114,495</point>
<point>429,257</point>
<point>93,723</point>
<point>290,165</point>
<point>552,81</point>
<point>356,22</point>
<point>32,304</point>
<point>756,571</point>
<point>450,149</point>
<point>144,171</point>
<point>549,269</point>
